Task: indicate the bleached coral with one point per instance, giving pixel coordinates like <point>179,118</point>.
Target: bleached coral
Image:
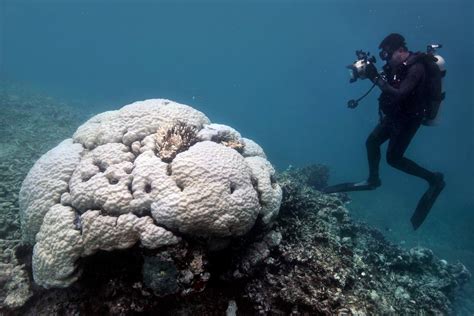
<point>252,149</point>
<point>44,185</point>
<point>58,247</point>
<point>102,179</point>
<point>109,232</point>
<point>141,174</point>
<point>269,191</point>
<point>216,196</point>
<point>135,121</point>
<point>218,133</point>
<point>64,238</point>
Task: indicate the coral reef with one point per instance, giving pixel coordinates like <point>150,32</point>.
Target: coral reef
<point>149,172</point>
<point>316,176</point>
<point>310,259</point>
<point>328,264</point>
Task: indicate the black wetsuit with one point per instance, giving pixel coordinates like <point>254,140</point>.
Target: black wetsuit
<point>401,104</point>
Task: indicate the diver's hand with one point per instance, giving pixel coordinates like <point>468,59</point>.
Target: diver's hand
<point>379,81</point>
<point>371,72</point>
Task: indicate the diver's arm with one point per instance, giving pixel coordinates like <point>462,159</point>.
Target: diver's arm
<point>415,73</point>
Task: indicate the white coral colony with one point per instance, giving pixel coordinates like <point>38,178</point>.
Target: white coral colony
<point>144,173</point>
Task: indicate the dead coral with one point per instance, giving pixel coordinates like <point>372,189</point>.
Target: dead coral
<point>15,287</point>
<point>171,140</point>
<point>327,264</point>
<point>316,176</point>
<point>234,145</point>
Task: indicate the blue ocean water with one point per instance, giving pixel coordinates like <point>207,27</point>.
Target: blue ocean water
<point>275,71</point>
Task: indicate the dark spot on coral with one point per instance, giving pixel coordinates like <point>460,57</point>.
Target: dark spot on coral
<point>77,222</point>
<point>100,164</point>
<point>168,170</point>
<point>129,187</point>
<point>113,180</point>
<point>254,182</point>
<point>142,212</point>
<point>259,195</point>
<point>180,185</point>
<point>232,187</point>
<point>255,186</point>
<point>86,178</point>
<point>167,159</point>
<point>147,188</point>
<point>272,179</point>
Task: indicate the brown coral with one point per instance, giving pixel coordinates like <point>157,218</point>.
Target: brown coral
<point>171,140</point>
<point>234,144</point>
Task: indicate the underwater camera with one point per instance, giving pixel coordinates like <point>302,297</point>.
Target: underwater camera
<point>357,69</point>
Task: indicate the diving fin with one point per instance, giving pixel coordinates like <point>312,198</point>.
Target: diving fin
<point>352,186</point>
<point>427,200</point>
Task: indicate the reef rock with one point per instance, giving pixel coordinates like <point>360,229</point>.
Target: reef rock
<point>328,264</point>
<point>15,287</point>
<point>312,259</point>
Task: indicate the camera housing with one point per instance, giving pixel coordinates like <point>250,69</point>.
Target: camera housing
<point>357,69</point>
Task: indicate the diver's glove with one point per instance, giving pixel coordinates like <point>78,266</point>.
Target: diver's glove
<point>381,81</point>
<point>371,72</point>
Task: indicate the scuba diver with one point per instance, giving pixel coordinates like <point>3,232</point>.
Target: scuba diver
<point>404,104</point>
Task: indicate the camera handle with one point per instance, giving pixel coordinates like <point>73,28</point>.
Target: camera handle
<point>354,103</point>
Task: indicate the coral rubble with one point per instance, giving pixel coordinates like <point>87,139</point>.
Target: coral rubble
<point>328,264</point>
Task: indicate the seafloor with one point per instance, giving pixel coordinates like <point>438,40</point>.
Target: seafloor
<point>314,260</point>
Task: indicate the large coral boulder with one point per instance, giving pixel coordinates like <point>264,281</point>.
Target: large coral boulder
<point>152,172</point>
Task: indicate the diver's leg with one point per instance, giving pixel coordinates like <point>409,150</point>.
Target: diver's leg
<point>399,142</point>
<point>377,137</point>
<point>401,136</point>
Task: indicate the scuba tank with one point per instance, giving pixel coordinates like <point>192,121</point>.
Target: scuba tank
<point>435,72</point>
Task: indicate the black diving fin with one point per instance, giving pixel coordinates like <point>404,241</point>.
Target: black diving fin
<point>352,186</point>
<point>427,200</point>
